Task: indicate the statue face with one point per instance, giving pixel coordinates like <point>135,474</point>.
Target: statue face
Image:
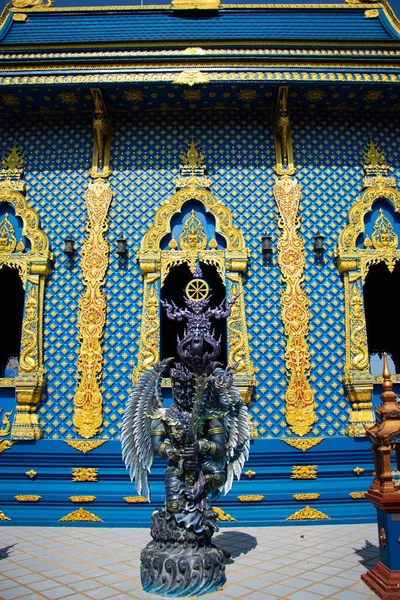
<point>182,393</point>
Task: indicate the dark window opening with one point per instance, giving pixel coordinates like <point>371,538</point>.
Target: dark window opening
<point>174,289</point>
<point>382,315</point>
<point>11,311</point>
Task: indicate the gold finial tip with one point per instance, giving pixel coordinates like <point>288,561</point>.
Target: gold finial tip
<point>385,372</point>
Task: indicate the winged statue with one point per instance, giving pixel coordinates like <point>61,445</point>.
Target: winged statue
<point>204,438</point>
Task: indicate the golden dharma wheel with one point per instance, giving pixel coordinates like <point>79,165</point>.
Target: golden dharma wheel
<point>197,290</point>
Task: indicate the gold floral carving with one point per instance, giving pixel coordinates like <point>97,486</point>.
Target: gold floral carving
<point>300,411</point>
<point>307,514</point>
<point>84,474</point>
<point>32,267</point>
<point>221,515</point>
<point>358,471</point>
<point>304,444</point>
<point>135,499</point>
<point>31,473</point>
<point>82,515</point>
<point>249,498</point>
<point>88,402</point>
<point>27,498</point>
<point>6,422</point>
<point>191,77</point>
<point>306,496</point>
<point>358,495</point>
<point>84,446</point>
<point>5,445</point>
<point>250,474</point>
<point>3,517</point>
<point>80,499</point>
<point>304,472</point>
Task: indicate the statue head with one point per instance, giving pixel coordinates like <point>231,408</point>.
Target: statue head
<point>183,386</point>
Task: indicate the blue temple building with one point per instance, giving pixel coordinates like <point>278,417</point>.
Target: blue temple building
<point>136,141</point>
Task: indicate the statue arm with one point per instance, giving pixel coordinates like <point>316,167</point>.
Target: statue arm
<point>214,444</point>
<point>223,310</point>
<point>160,443</point>
<point>173,312</point>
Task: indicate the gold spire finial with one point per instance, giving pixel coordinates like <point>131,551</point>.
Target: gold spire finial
<point>387,384</point>
<point>376,168</point>
<point>193,167</point>
<point>373,157</point>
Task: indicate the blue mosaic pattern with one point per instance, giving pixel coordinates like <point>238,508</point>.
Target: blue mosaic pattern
<point>145,159</point>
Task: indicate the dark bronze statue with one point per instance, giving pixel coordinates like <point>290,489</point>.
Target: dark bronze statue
<point>205,439</point>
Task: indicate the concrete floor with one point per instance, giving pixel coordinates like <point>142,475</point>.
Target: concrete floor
<point>294,563</point>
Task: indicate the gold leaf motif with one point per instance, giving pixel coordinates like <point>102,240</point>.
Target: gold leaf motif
<point>6,422</point>
<point>247,95</point>
<point>304,472</point>
<point>10,100</point>
<point>88,402</point>
<point>358,495</point>
<point>7,236</point>
<point>133,95</point>
<point>82,498</point>
<point>250,473</point>
<point>315,95</point>
<point>81,515</point>
<point>31,473</point>
<point>304,444</point>
<point>84,474</point>
<point>307,514</point>
<point>5,445</point>
<point>135,499</point>
<point>191,77</point>
<point>300,410</point>
<point>85,446</point>
<point>249,498</point>
<point>222,516</point>
<point>371,14</point>
<point>192,95</point>
<point>27,498</point>
<point>373,95</point>
<point>306,496</point>
<point>3,517</point>
<point>358,471</point>
<point>68,97</point>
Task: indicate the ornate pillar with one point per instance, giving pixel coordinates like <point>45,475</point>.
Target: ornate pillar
<point>300,411</point>
<point>88,402</point>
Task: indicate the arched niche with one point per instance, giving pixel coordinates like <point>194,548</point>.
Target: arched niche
<point>222,246</point>
<point>25,248</point>
<point>361,246</point>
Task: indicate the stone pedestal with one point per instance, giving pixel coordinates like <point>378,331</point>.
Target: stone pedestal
<point>180,562</point>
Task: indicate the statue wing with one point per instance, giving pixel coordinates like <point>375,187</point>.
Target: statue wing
<point>137,452</point>
<point>237,434</point>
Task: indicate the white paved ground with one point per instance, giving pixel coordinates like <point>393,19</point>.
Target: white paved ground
<point>294,563</point>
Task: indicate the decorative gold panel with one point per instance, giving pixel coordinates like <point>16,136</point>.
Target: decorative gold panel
<point>81,515</point>
<point>353,262</point>
<point>358,495</point>
<point>88,403</point>
<point>79,499</point>
<point>84,474</point>
<point>251,498</point>
<point>304,444</point>
<point>27,498</point>
<point>304,472</point>
<point>32,267</point>
<point>84,446</point>
<point>300,411</point>
<point>306,496</point>
<point>135,499</point>
<point>307,514</point>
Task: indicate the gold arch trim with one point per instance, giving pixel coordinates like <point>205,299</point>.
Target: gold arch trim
<point>221,213</point>
<point>353,262</point>
<point>32,267</point>
<point>229,263</point>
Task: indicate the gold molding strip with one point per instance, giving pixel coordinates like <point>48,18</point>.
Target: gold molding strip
<point>215,77</point>
<point>88,401</point>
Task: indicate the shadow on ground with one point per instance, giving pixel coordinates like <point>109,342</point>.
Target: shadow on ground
<point>369,555</point>
<point>5,552</point>
<point>235,542</point>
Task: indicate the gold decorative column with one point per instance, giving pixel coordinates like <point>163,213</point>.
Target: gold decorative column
<point>88,402</point>
<point>300,410</point>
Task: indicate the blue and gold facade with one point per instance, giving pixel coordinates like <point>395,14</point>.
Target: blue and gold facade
<point>282,101</point>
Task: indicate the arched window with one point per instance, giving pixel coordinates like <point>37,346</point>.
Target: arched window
<point>11,311</point>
